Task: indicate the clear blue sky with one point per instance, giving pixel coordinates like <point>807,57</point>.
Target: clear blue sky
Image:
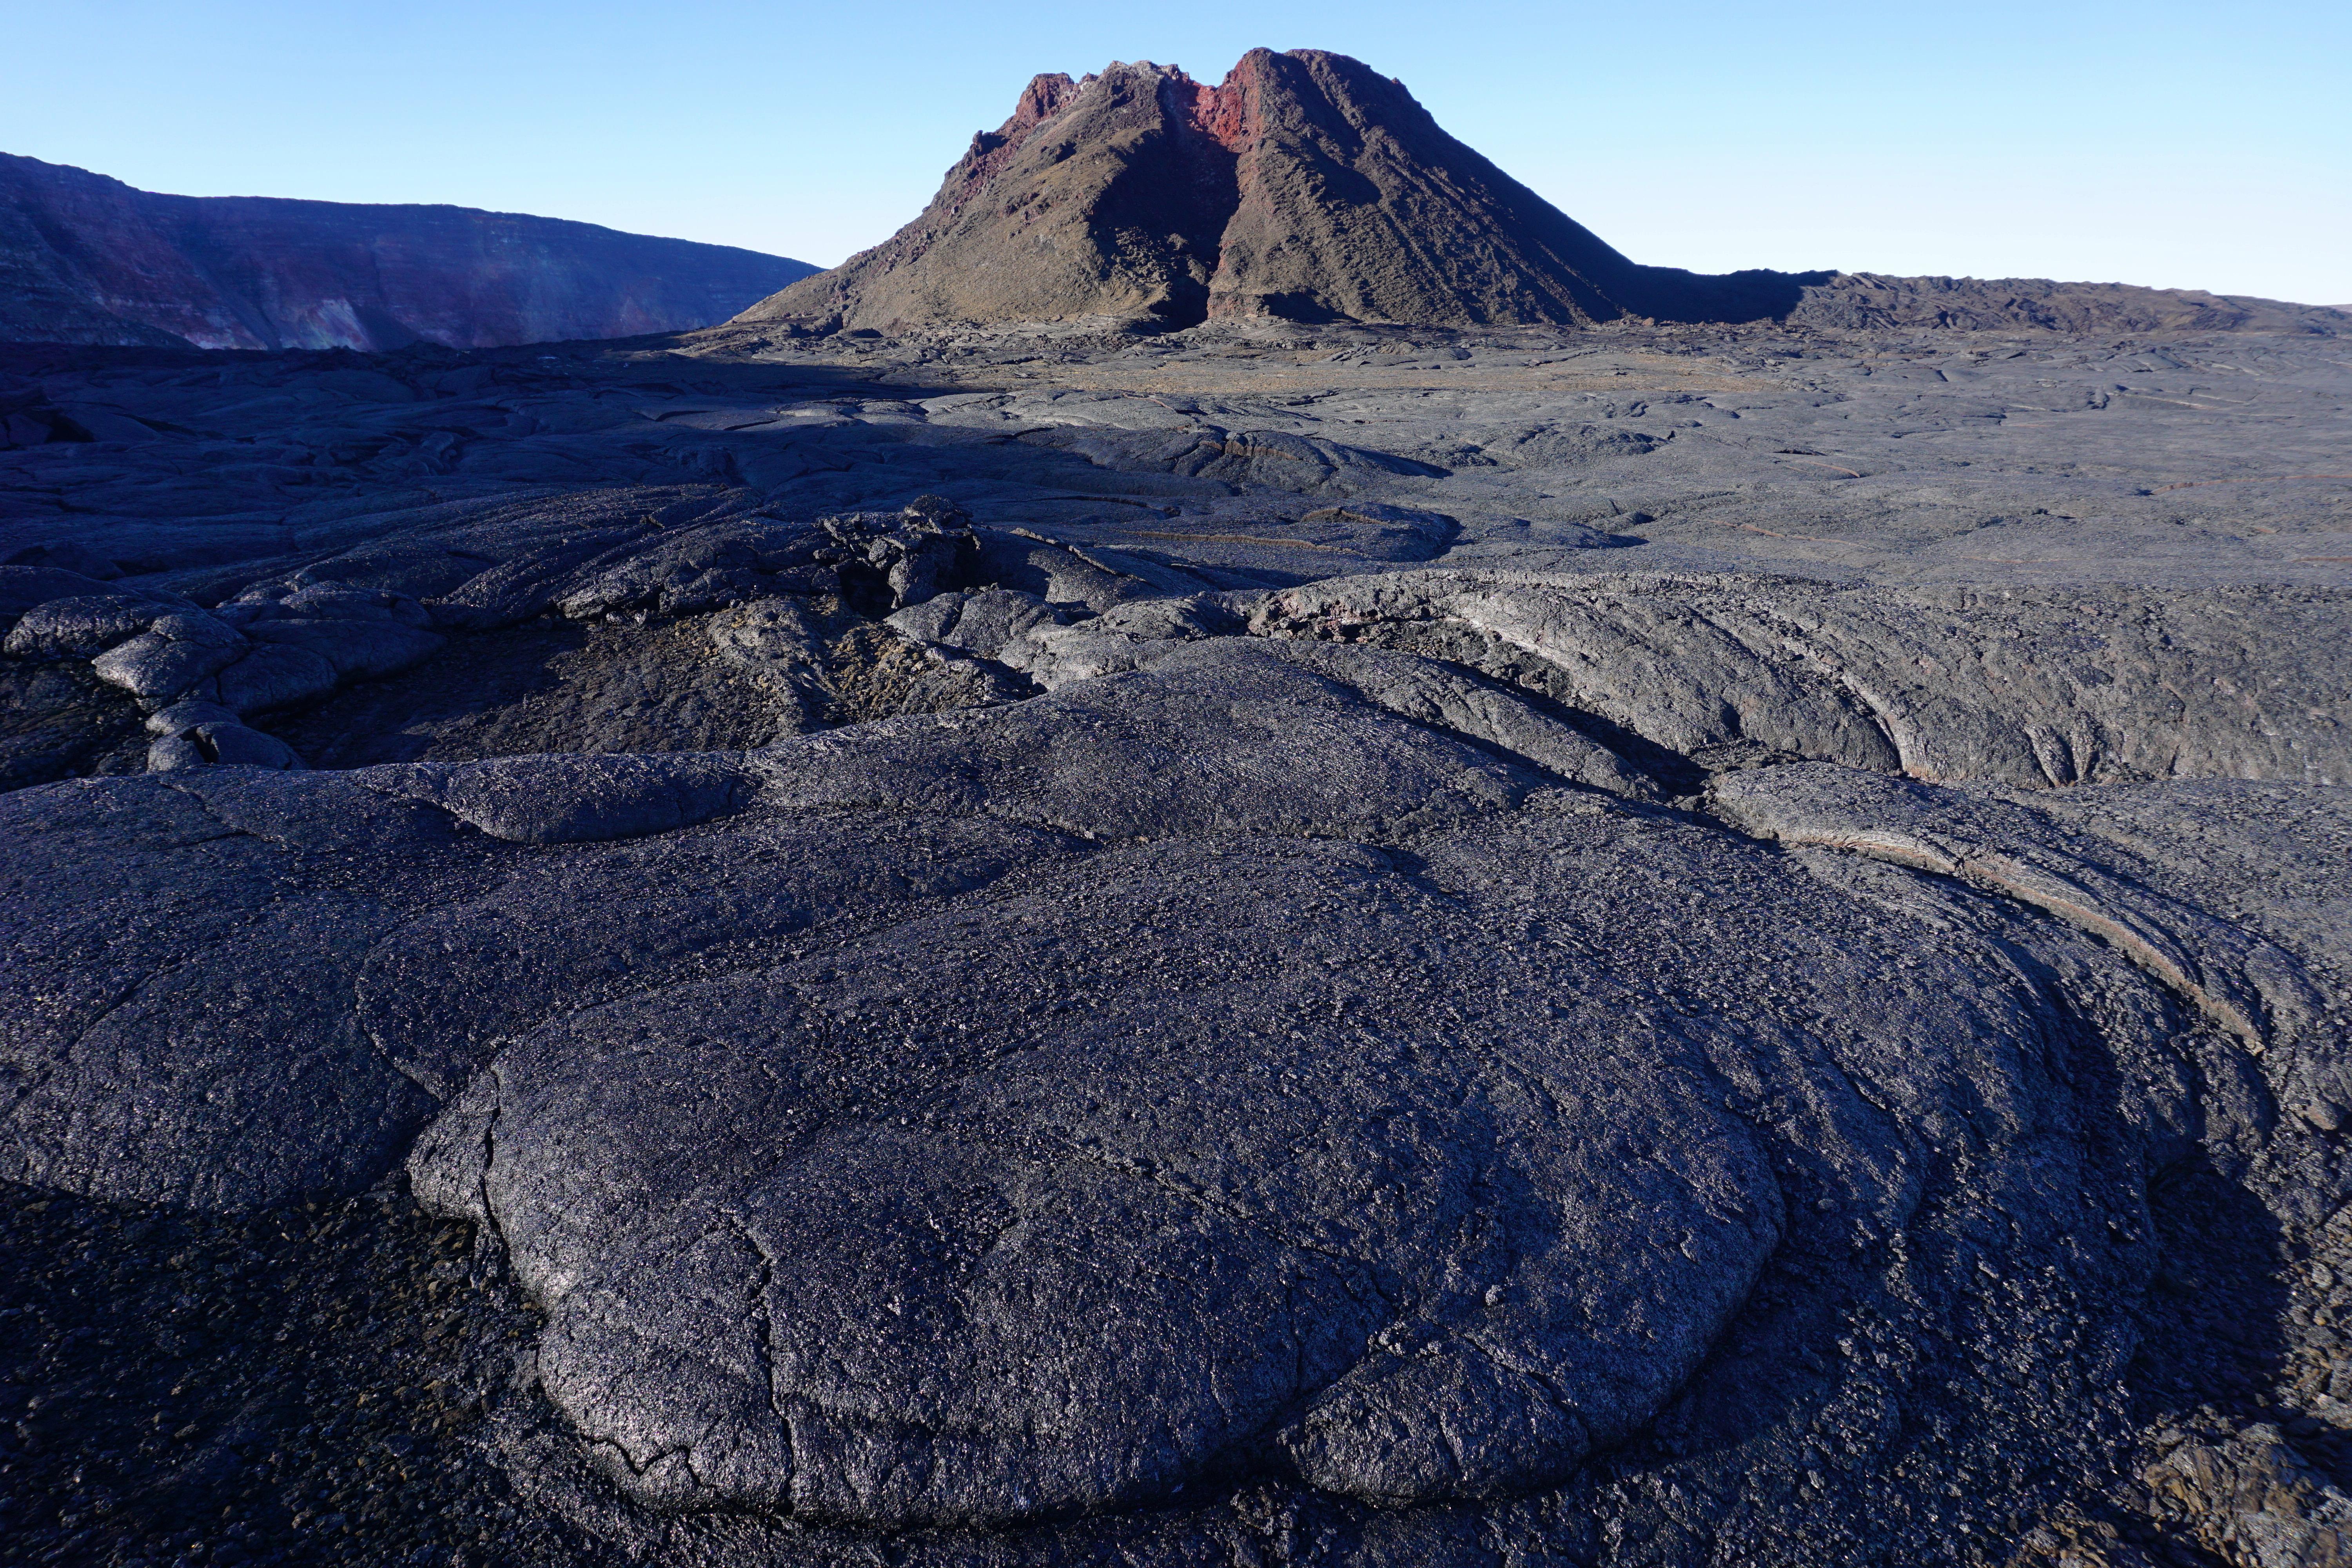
<point>2205,146</point>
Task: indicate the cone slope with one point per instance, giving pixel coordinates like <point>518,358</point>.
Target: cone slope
<point>1306,186</point>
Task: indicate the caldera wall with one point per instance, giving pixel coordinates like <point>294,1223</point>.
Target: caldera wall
<point>88,260</point>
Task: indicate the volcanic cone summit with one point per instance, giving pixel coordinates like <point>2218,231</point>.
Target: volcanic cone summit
<point>1306,186</point>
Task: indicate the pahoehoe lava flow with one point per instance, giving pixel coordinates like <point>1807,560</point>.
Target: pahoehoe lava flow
<point>1242,855</point>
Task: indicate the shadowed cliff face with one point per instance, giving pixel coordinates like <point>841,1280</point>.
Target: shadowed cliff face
<point>85,259</point>
<point>1305,187</point>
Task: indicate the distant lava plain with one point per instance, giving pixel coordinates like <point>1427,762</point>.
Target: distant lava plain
<point>1241,855</point>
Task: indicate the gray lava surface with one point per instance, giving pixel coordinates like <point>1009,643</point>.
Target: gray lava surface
<point>1255,944</point>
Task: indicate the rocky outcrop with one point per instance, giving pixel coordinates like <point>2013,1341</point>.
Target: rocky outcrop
<point>87,259</point>
<point>1305,187</point>
<point>2255,1501</point>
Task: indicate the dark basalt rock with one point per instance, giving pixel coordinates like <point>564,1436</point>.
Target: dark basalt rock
<point>998,1272</point>
<point>889,563</point>
<point>1248,945</point>
<point>2059,689</point>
